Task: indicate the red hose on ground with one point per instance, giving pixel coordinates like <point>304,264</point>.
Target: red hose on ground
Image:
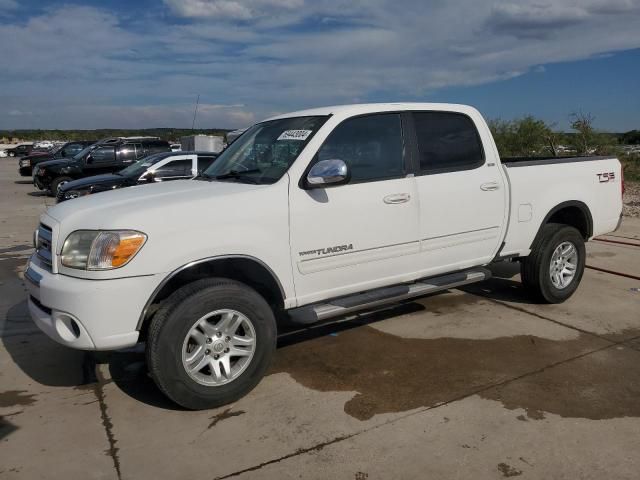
<point>634,277</point>
<point>616,241</point>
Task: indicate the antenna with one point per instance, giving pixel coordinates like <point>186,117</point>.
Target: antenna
<point>193,124</point>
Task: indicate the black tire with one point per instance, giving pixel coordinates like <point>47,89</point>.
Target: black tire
<point>56,183</point>
<point>535,269</point>
<point>11,154</point>
<point>173,321</point>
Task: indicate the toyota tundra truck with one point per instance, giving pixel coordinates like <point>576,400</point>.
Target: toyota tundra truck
<point>308,216</point>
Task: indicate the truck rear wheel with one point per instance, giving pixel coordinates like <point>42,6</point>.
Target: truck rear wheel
<point>211,343</point>
<point>554,268</point>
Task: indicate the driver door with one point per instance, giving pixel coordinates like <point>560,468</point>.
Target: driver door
<point>101,160</point>
<point>363,234</point>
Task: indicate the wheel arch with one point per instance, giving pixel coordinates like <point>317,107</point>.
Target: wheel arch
<point>573,213</point>
<point>244,268</point>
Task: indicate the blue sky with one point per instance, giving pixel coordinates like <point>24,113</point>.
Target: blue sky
<point>129,64</point>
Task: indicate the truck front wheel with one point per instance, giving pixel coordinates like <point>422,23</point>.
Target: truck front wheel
<point>554,268</point>
<point>57,183</point>
<point>211,343</point>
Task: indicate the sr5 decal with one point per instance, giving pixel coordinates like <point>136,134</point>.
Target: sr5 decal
<point>606,177</point>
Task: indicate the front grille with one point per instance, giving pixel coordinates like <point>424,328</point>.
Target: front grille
<point>43,245</point>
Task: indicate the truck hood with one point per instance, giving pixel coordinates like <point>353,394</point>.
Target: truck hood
<point>154,206</point>
<point>106,180</point>
<point>40,156</point>
<point>53,163</point>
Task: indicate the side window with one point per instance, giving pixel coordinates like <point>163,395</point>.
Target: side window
<point>372,147</point>
<point>127,153</point>
<point>204,162</point>
<point>156,147</point>
<point>176,168</point>
<point>447,141</point>
<point>103,156</point>
<point>139,151</point>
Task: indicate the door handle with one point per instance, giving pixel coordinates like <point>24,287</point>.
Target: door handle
<point>397,198</point>
<point>490,186</point>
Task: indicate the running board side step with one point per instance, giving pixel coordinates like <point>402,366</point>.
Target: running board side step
<point>381,296</point>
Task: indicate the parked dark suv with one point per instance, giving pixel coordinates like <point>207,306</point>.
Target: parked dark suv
<point>107,156</point>
<point>159,167</point>
<point>68,150</point>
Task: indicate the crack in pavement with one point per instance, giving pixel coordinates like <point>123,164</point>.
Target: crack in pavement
<point>477,391</point>
<point>300,451</point>
<point>541,317</point>
<point>93,376</point>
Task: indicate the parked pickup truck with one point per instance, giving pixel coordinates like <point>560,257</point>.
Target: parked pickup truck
<point>308,216</point>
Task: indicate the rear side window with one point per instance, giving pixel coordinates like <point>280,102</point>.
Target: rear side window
<point>127,153</point>
<point>447,141</point>
<point>156,147</point>
<point>204,162</point>
<point>175,168</point>
<point>372,146</point>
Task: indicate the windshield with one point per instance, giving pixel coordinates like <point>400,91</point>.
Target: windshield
<point>56,149</point>
<point>138,168</point>
<point>263,153</point>
<point>83,152</point>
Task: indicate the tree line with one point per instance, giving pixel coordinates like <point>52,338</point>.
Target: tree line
<point>531,136</point>
<point>170,134</point>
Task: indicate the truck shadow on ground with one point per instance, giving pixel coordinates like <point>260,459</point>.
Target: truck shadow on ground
<point>504,285</point>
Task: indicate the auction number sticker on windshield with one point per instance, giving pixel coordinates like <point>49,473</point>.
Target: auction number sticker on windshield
<point>295,135</point>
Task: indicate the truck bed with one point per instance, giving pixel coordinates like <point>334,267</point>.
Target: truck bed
<point>593,182</point>
<point>531,161</point>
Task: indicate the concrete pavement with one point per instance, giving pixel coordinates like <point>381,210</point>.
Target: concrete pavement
<point>479,383</point>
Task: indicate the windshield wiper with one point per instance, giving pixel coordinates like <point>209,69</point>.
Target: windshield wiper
<point>240,175</point>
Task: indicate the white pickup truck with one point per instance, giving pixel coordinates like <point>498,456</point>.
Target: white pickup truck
<point>308,216</point>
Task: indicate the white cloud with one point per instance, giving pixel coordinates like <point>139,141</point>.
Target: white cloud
<point>8,5</point>
<point>81,65</point>
<point>233,9</point>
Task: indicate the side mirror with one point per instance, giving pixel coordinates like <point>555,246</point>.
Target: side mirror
<point>328,173</point>
<point>148,177</point>
<point>89,160</point>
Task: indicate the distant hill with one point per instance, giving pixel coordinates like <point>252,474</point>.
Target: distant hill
<point>169,134</point>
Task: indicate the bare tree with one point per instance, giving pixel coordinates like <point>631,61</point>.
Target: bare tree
<point>586,135</point>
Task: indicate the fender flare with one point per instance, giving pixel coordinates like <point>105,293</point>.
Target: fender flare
<point>570,203</point>
<point>194,263</point>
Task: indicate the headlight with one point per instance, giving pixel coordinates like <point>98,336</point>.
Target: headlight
<point>75,194</point>
<point>101,250</point>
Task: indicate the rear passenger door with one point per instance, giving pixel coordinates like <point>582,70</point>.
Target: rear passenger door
<point>462,192</point>
<point>129,153</point>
